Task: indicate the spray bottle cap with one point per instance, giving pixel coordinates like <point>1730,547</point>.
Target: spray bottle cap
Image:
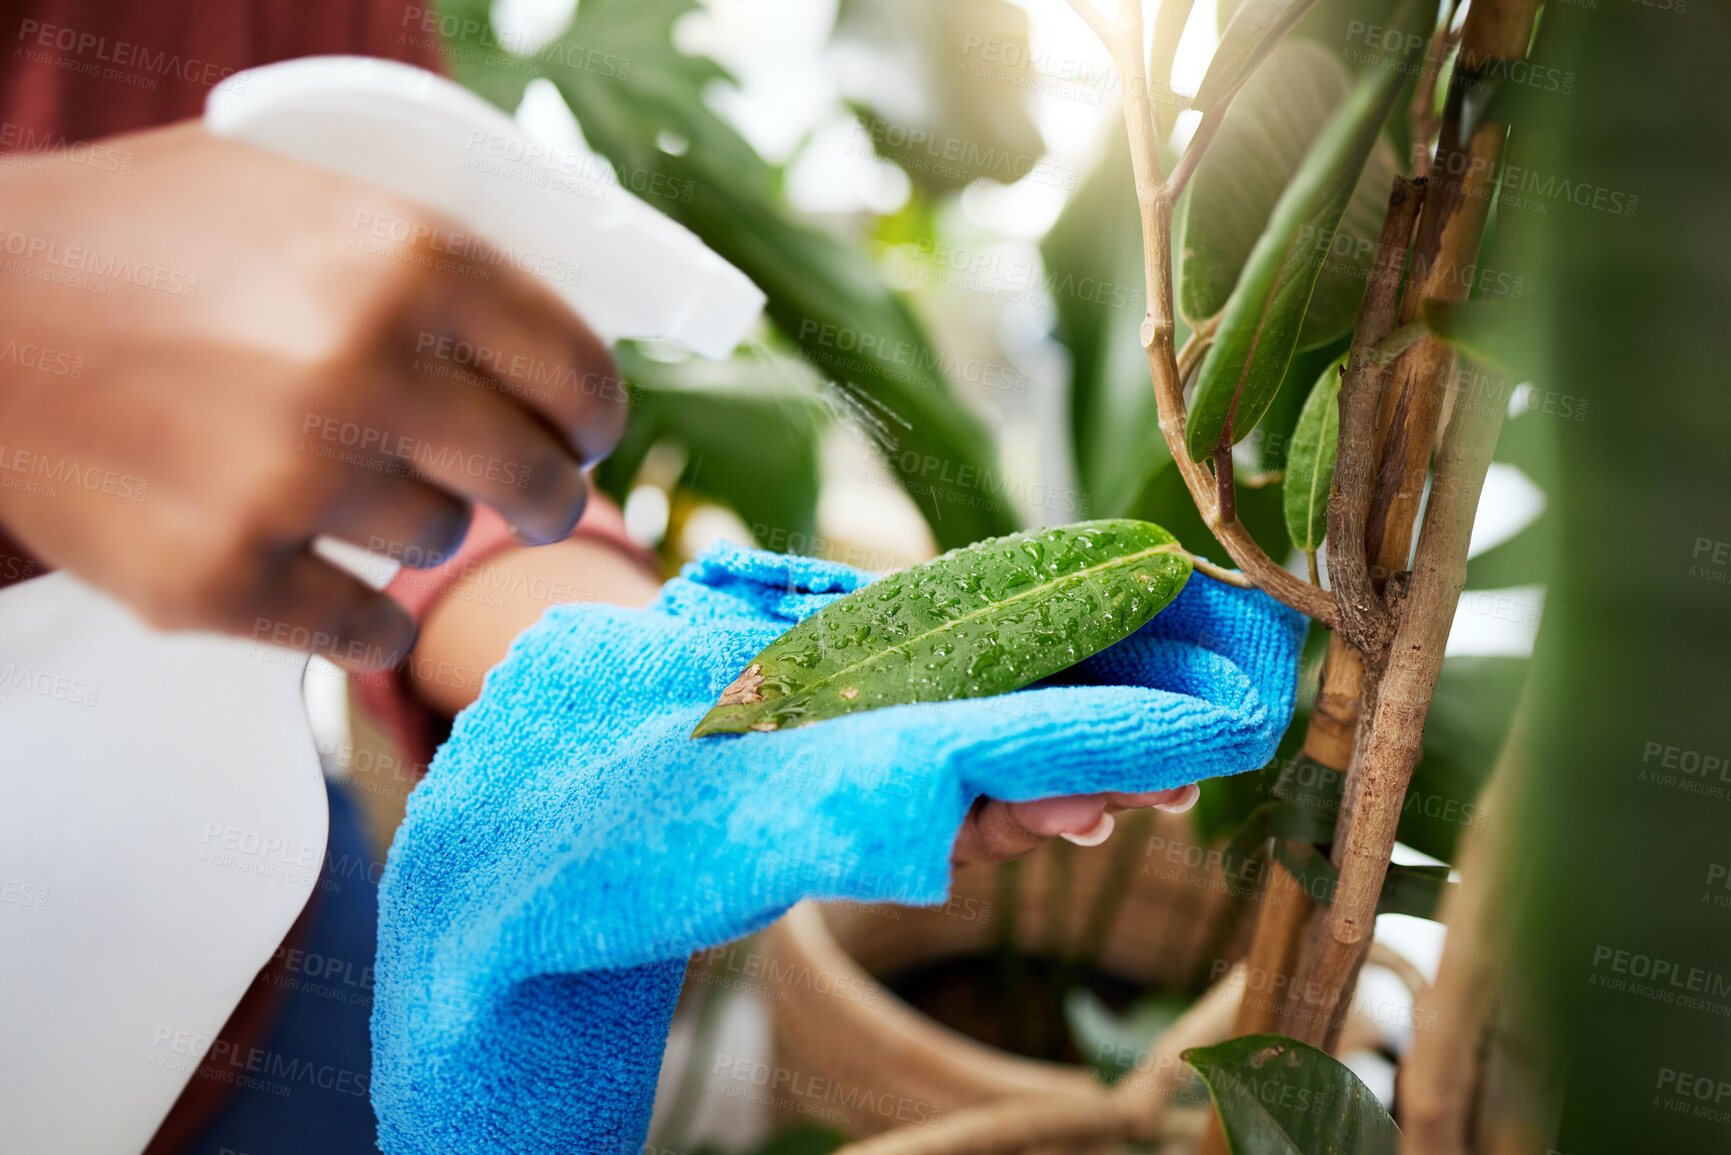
<point>551,210</point>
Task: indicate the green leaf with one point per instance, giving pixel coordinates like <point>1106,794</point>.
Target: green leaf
<point>1310,463</point>
<point>1340,287</point>
<point>1278,1096</point>
<point>952,79</point>
<point>1471,711</point>
<point>1295,833</point>
<point>1278,821</point>
<point>1256,27</point>
<point>978,621</point>
<point>1272,124</point>
<point>749,444</point>
<point>1113,1043</point>
<point>1413,890</point>
<point>1524,559</point>
<point>1263,318</point>
<point>1261,143</point>
<point>633,93</point>
<point>1477,328</point>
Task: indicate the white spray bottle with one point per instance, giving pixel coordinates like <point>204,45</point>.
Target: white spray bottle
<point>162,812</point>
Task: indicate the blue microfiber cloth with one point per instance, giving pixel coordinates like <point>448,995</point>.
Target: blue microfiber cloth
<point>572,846</point>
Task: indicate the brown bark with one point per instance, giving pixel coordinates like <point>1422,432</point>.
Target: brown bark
<point>1286,908</point>
<point>1388,748</point>
<point>1398,697</point>
<point>1444,264</point>
<point>1363,618</point>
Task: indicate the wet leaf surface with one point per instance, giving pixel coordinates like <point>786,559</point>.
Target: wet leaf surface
<point>983,620</point>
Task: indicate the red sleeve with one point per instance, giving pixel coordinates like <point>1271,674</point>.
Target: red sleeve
<point>77,70</point>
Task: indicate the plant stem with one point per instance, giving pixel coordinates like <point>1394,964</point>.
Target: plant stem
<point>1226,494</point>
<point>1400,341</point>
<point>1421,114</point>
<point>1195,348</point>
<point>1155,208</point>
<point>1445,253</point>
<point>1363,617</point>
<point>1389,748</point>
<point>1199,142</point>
<point>1220,574</point>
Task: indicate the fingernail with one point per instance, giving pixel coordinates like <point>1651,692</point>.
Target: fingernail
<point>1098,833</point>
<point>1183,802</point>
<point>1050,816</point>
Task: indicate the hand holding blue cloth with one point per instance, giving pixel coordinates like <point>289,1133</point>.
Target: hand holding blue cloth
<point>572,845</point>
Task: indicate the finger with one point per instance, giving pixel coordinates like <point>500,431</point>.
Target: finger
<point>482,446</point>
<point>991,834</point>
<point>538,352</point>
<point>401,517</point>
<point>1084,819</point>
<point>311,605</point>
<point>997,831</point>
<point>1174,801</point>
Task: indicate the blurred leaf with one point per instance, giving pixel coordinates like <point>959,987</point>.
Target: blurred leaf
<point>1256,27</point>
<point>1340,287</point>
<point>1476,329</point>
<point>950,105</point>
<point>1275,822</point>
<point>1093,258</point>
<point>1263,317</point>
<point>633,93</point>
<point>1415,891</point>
<point>1470,715</point>
<point>1259,146</point>
<point>975,622</point>
<point>1278,1096</point>
<point>1524,559</point>
<point>1310,464</point>
<point>1113,1043</point>
<point>1271,126</point>
<point>1632,653</point>
<point>748,446</point>
<point>1469,720</point>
